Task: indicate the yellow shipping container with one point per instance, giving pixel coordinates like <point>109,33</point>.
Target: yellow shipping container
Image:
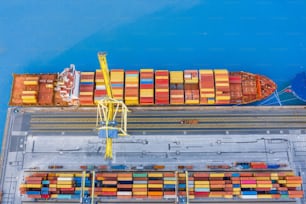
<point>192,101</point>
<point>223,97</point>
<point>207,95</point>
<point>29,92</point>
<point>155,175</point>
<point>52,185</point>
<point>169,182</point>
<point>211,102</point>
<point>264,196</point>
<point>201,186</point>
<point>29,101</point>
<point>176,77</point>
<point>81,175</point>
<point>274,174</point>
<point>106,189</point>
<point>64,186</point>
<point>162,90</point>
<point>33,97</point>
<point>146,70</point>
<point>87,73</point>
<point>282,181</point>
<point>139,185</point>
<point>155,185</point>
<point>64,182</point>
<point>262,178</point>
<point>293,185</point>
<point>53,195</point>
<point>248,185</point>
<point>221,71</point>
<point>132,102</point>
<point>264,185</point>
<point>65,175</point>
<point>125,178</point>
<point>30,185</point>
<point>206,71</point>
<point>216,175</point>
<point>30,83</point>
<point>139,193</point>
<point>201,182</point>
<point>161,77</point>
<point>88,93</point>
<point>221,84</point>
<point>228,196</point>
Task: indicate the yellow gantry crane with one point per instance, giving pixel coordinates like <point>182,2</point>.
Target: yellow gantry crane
<point>109,123</point>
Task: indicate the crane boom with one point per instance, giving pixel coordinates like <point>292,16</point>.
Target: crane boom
<point>107,110</point>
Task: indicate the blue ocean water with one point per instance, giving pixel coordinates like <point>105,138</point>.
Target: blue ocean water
<point>263,36</point>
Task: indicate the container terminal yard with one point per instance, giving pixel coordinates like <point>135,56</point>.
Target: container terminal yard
<point>55,140</point>
<point>172,149</point>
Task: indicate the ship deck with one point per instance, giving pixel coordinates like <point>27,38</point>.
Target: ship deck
<point>38,137</point>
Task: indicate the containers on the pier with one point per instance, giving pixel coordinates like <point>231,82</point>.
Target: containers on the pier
<point>146,96</point>
<point>191,86</point>
<point>162,87</point>
<point>86,88</point>
<point>131,93</point>
<point>207,87</point>
<point>117,83</point>
<point>164,185</point>
<point>177,87</point>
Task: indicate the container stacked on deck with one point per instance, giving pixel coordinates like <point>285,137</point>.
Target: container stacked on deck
<point>177,87</point>
<point>100,91</point>
<point>117,82</point>
<point>191,80</point>
<point>86,88</point>
<point>207,87</point>
<point>222,86</point>
<point>162,87</point>
<point>181,184</point>
<point>140,184</point>
<point>146,86</point>
<point>131,93</point>
<point>30,94</point>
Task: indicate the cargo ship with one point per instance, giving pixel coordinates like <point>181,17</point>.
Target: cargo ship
<point>141,87</point>
<point>161,185</point>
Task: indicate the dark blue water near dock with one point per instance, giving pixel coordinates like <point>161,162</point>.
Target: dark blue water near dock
<point>264,36</point>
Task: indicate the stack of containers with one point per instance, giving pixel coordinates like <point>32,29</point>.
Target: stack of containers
<point>146,86</point>
<point>131,93</point>
<point>100,91</point>
<point>169,185</point>
<point>162,87</point>
<point>155,185</point>
<point>124,186</point>
<point>181,184</point>
<point>86,88</point>
<point>222,86</point>
<point>177,87</point>
<point>30,95</point>
<point>217,185</point>
<point>201,184</point>
<point>207,87</point>
<point>117,82</point>
<point>109,184</point>
<point>140,187</point>
<point>191,80</point>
